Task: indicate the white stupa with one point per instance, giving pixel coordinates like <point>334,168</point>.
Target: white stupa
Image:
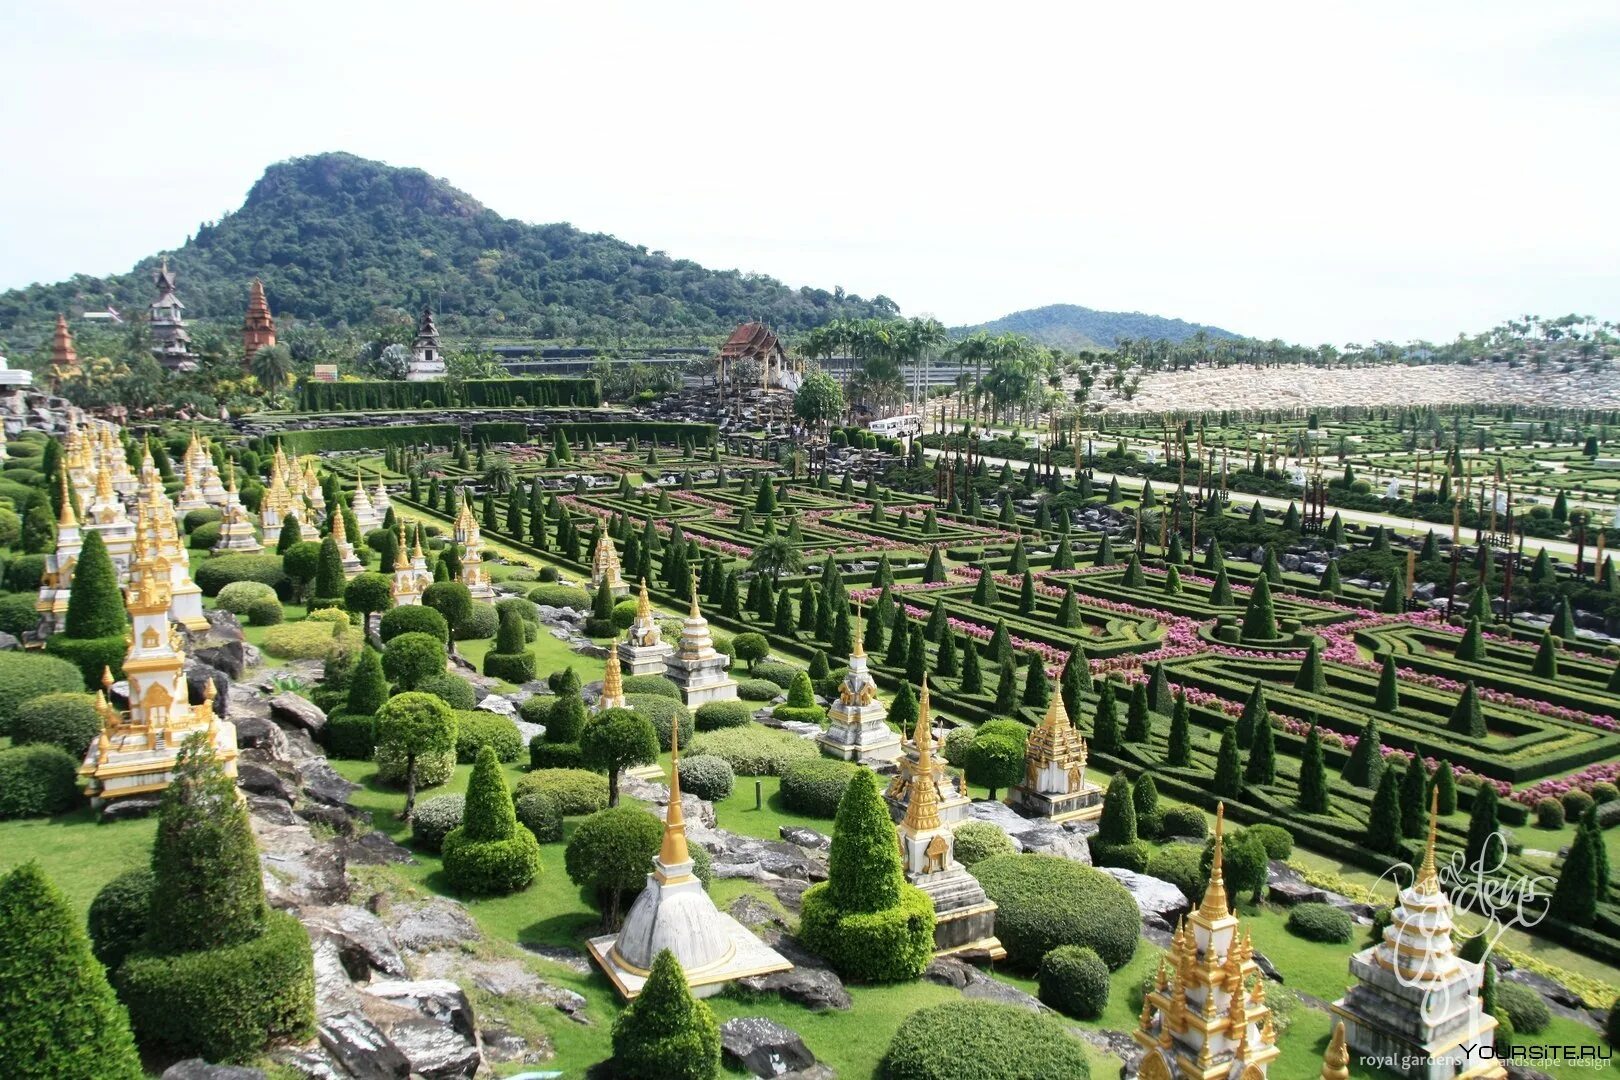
<point>857,723</point>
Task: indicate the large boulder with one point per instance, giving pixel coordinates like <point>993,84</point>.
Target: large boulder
<point>361,940</point>
<point>433,924</point>
<point>360,1046</point>
<point>1036,834</point>
<point>232,657</point>
<point>299,869</point>
<point>198,1069</point>
<point>1160,902</point>
<point>293,711</point>
<point>763,1047</point>
<point>259,780</point>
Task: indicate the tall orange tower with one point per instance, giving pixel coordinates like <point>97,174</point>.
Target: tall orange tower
<point>64,360</point>
<point>258,329</point>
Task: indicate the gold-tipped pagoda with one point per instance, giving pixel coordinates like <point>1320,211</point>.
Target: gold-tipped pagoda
<point>697,667</point>
<point>1055,785</point>
<point>605,567</point>
<point>857,722</point>
<point>471,542</point>
<point>644,650</point>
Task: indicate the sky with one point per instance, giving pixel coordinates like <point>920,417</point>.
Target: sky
<point>1324,172</point>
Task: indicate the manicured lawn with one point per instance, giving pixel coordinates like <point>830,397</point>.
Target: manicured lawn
<point>76,852</point>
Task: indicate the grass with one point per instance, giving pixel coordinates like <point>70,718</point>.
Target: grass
<point>76,852</point>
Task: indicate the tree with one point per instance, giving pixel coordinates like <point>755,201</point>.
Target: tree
<point>1466,717</point>
<point>819,399</point>
<point>1471,647</point>
<point>1228,781</point>
<point>1313,786</point>
<point>1262,764</point>
<point>301,563</point>
<point>1255,713</point>
<point>1259,619</point>
<point>1006,689</point>
<point>972,675</point>
<point>1104,724</point>
<point>368,688</point>
<point>1036,690</point>
<point>1179,751</point>
<point>413,657</point>
<point>610,852</point>
<point>413,725</point>
<point>273,366</point>
<point>996,761</point>
<point>1546,662</point>
<point>39,531</point>
<point>1484,849</point>
<point>1117,825</point>
<point>489,853</point>
<point>1389,687</point>
<point>615,740</point>
<point>62,1020</point>
<point>96,604</point>
<point>1384,820</point>
<point>751,647</point>
<point>1138,725</point>
<point>776,555</point>
<point>1366,763</point>
<point>666,1033</point>
<point>451,599</point>
<point>864,872</point>
<point>1445,783</point>
<point>330,579</point>
<point>1414,798</point>
<point>290,534</point>
<point>1075,680</point>
<point>367,594</point>
<point>1311,676</point>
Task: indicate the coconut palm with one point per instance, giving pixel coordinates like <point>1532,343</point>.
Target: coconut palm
<point>776,555</point>
<point>273,367</point>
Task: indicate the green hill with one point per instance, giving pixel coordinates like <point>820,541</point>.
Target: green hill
<point>339,239</point>
<point>1069,326</point>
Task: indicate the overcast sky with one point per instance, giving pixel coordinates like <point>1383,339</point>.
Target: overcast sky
<point>1317,172</point>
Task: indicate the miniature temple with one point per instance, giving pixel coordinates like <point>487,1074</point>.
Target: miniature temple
<point>1204,1019</point>
<point>644,650</point>
<point>675,912</point>
<point>313,495</point>
<point>1416,1004</point>
<point>407,582</point>
<point>696,667</point>
<point>191,495</point>
<point>605,567</point>
<point>365,515</point>
<point>1055,784</point>
<point>471,542</point>
<point>351,560</point>
<point>56,585</point>
<point>427,361</point>
<point>612,696</point>
<point>857,723</point>
<point>107,516</point>
<point>64,360</point>
<point>952,801</point>
<point>380,502</point>
<point>136,751</point>
<point>171,342</point>
<point>236,528</point>
<point>258,328</point>
<point>964,917</point>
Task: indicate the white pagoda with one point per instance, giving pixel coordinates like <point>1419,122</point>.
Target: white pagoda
<point>351,561</point>
<point>365,515</point>
<point>471,542</point>
<point>644,650</point>
<point>1055,784</point>
<point>857,723</point>
<point>236,529</point>
<point>410,577</point>
<point>696,667</point>
<point>605,567</point>
<point>106,515</point>
<point>56,585</point>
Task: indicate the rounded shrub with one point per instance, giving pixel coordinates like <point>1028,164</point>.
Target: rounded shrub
<point>1074,981</point>
<point>757,690</point>
<point>723,714</point>
<point>434,818</point>
<point>655,685</point>
<point>118,915</point>
<point>490,854</point>
<point>779,674</point>
<point>706,776</point>
<point>1180,865</point>
<point>266,612</point>
<point>666,1033</point>
<point>204,537</point>
<point>91,656</point>
<point>25,676</point>
<point>17,613</point>
<point>453,690</point>
<point>215,574</point>
<point>1278,841</point>
<point>1604,792</point>
<point>412,619</point>
<point>194,518</point>
<point>1129,855</point>
<point>1549,813</point>
<point>1576,804</point>
<point>239,596</point>
<point>537,811</point>
<point>349,736</point>
<point>69,721</point>
<point>1320,922</point>
<point>307,640</point>
<point>412,658</point>
<point>977,841</point>
<point>982,1040</point>
<point>1046,901</point>
<point>560,596</point>
<point>957,743</point>
<point>24,573</point>
<point>476,730</point>
<point>432,769</point>
<point>814,786</point>
<point>481,622</point>
<point>889,945</point>
<point>754,750</point>
<point>1524,1007</point>
<point>576,791</point>
<point>1186,821</point>
<point>37,781</point>
<point>663,714</point>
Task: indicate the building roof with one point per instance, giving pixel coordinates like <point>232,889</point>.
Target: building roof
<point>751,341</point>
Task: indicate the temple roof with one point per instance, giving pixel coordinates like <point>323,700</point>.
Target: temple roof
<point>750,341</point>
<point>1056,741</point>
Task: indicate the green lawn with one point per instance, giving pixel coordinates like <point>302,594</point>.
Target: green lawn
<point>76,852</point>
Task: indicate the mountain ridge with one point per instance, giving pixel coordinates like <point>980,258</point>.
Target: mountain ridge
<point>1070,326</point>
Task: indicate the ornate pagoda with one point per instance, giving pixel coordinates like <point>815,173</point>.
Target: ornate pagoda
<point>191,493</point>
<point>964,917</point>
<point>1207,1016</point>
<point>697,667</point>
<point>605,567</point>
<point>612,696</point>
<point>171,342</point>
<point>351,561</point>
<point>136,751</point>
<point>236,529</point>
<point>408,581</point>
<point>471,542</point>
<point>107,516</point>
<point>675,912</point>
<point>1055,784</point>
<point>56,584</point>
<point>1416,1004</point>
<point>366,516</point>
<point>952,802</point>
<point>258,328</point>
<point>64,360</point>
<point>427,361</point>
<point>644,650</point>
<point>857,723</point>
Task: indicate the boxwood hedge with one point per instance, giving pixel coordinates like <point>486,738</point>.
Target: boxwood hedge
<point>982,1040</point>
<point>754,750</point>
<point>576,791</point>
<point>813,786</point>
<point>476,730</point>
<point>1046,901</point>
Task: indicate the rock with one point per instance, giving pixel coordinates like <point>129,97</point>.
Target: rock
<point>505,979</point>
<point>298,868</point>
<point>223,625</point>
<point>440,1040</point>
<point>501,1046</point>
<point>949,971</point>
<point>232,657</point>
<point>494,703</point>
<point>1031,834</point>
<point>572,959</point>
<point>333,817</point>
<point>1267,968</point>
<point>1160,902</point>
<point>818,1071</point>
<point>1289,893</point>
<point>762,1046</point>
<point>361,940</point>
<point>437,999</point>
<point>10,643</point>
<point>432,924</point>
<point>294,711</point>
<point>375,849</point>
<point>198,1069</point>
<point>311,1064</point>
<point>810,982</point>
<point>258,733</point>
<point>128,809</point>
<point>320,782</point>
<point>258,780</point>
<point>754,913</point>
<point>359,1046</point>
<point>198,676</point>
<point>272,811</point>
<point>334,990</point>
<point>806,838</point>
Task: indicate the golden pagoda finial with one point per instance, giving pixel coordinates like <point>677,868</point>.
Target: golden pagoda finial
<point>1336,1062</point>
<point>416,543</point>
<point>65,519</point>
<point>1428,878</point>
<point>643,606</point>
<point>673,852</point>
<point>339,530</point>
<point>1214,905</point>
<point>612,679</point>
<point>230,475</point>
<point>695,613</point>
<point>104,489</point>
<point>922,805</point>
<point>860,645</point>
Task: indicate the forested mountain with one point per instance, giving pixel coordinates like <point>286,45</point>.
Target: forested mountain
<point>339,239</point>
<point>1069,326</point>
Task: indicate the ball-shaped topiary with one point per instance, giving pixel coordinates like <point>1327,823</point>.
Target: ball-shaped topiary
<point>1046,901</point>
<point>25,676</point>
<point>413,657</point>
<point>663,714</point>
<point>1182,866</point>
<point>723,714</point>
<point>657,685</point>
<point>1074,981</point>
<point>780,674</point>
<point>815,786</point>
<point>977,841</point>
<point>490,854</point>
<point>1278,841</point>
<point>537,811</point>
<point>118,915</point>
<point>1576,804</point>
<point>37,780</point>
<point>434,818</point>
<point>1320,922</point>
<point>239,596</point>
<point>707,777</point>
<point>981,1040</point>
<point>18,614</point>
<point>1549,813</point>
<point>453,690</point>
<point>1188,821</point>
<point>758,690</point>
<point>610,853</point>
<point>576,791</point>
<point>480,622</point>
<point>1524,1007</point>
<point>476,730</point>
<point>412,619</point>
<point>666,1033</point>
<point>69,721</point>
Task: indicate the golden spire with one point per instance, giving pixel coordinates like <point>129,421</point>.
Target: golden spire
<point>339,531</point>
<point>860,645</point>
<point>643,607</point>
<point>922,808</point>
<point>66,519</point>
<point>400,524</point>
<point>230,475</point>
<point>1214,905</point>
<point>104,489</point>
<point>695,614</point>
<point>1336,1062</point>
<point>612,682</point>
<point>416,539</point>
<point>1428,878</point>
<point>672,852</point>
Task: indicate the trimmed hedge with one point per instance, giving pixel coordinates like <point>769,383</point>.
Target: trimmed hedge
<point>412,619</point>
<point>977,841</point>
<point>37,781</point>
<point>453,690</point>
<point>491,867</point>
<point>754,750</point>
<point>476,730</point>
<point>560,596</point>
<point>663,715</point>
<point>69,721</point>
<point>1182,866</point>
<point>1074,980</point>
<point>655,685</point>
<point>756,690</point>
<point>891,945</point>
<point>815,785</point>
<point>363,396</point>
<point>707,777</point>
<point>224,1004</point>
<point>17,613</point>
<point>118,915</point>
<point>982,1040</point>
<point>1320,922</point>
<point>1184,821</point>
<point>92,656</point>
<point>350,736</point>
<point>433,819</point>
<point>1046,901</point>
<point>481,622</point>
<point>537,811</point>
<point>216,573</point>
<point>724,714</point>
<point>576,791</point>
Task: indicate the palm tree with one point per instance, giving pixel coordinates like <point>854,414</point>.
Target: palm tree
<point>273,367</point>
<point>776,555</point>
<point>500,476</point>
<point>975,349</point>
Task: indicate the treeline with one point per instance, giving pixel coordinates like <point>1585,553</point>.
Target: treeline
<point>475,393</point>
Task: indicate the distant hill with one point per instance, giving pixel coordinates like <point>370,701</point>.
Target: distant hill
<point>339,239</point>
<point>1069,326</point>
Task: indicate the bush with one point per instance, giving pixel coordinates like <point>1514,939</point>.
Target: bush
<point>481,622</point>
<point>779,674</point>
<point>223,1004</point>
<point>663,715</point>
<point>537,811</point>
<point>1179,864</point>
<point>1130,855</point>
<point>1074,981</point>
<point>1524,1007</point>
<point>25,676</point>
<point>412,619</point>
<point>1576,804</point>
<point>215,574</point>
<point>1046,901</point>
<point>958,741</point>
<point>434,818</point>
<point>754,750</point>
<point>666,1034</point>
<point>1320,922</point>
<point>723,714</point>
<point>706,776</point>
<point>757,690</point>
<point>432,769</point>
<point>1278,841</point>
<point>453,690</point>
<point>476,730</point>
<point>195,518</point>
<point>1186,821</point>
<point>118,915</point>
<point>654,685</point>
<point>412,658</point>
<point>1604,792</point>
<point>17,613</point>
<point>204,537</point>
<point>349,736</point>
<point>609,853</point>
<point>890,945</point>
<point>977,841</point>
<point>576,791</point>
<point>266,613</point>
<point>238,596</point>
<point>510,667</point>
<point>37,781</point>
<point>1549,813</point>
<point>981,1040</point>
<point>560,596</point>
<point>814,786</point>
<point>307,640</point>
<point>24,573</point>
<point>92,656</point>
<point>69,721</point>
<point>490,854</point>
